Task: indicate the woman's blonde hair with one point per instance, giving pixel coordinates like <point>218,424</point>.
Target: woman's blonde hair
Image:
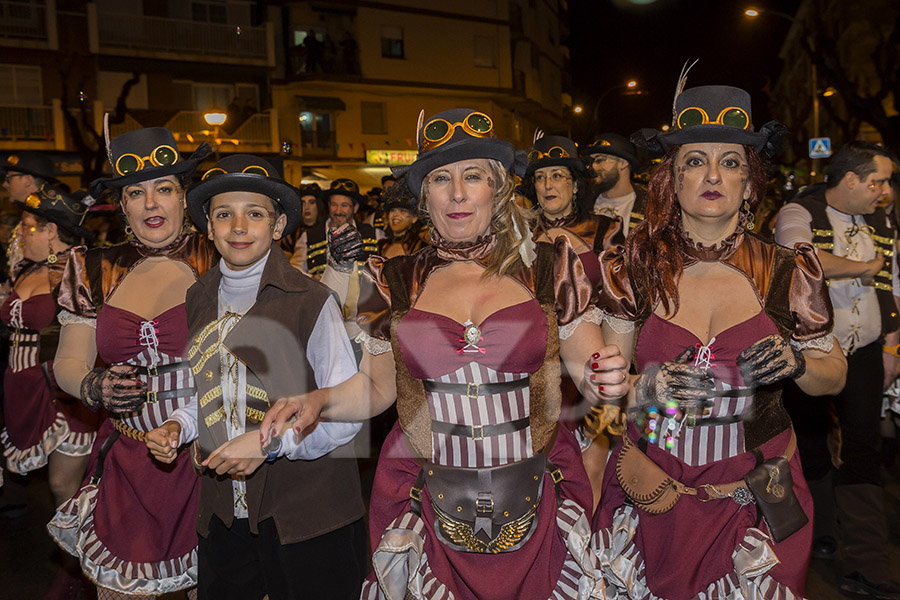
<point>510,223</point>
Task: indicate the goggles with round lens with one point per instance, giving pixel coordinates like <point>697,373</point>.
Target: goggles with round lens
<point>733,116</point>
<point>160,157</point>
<point>439,131</point>
<point>252,170</point>
<point>344,185</point>
<point>554,152</point>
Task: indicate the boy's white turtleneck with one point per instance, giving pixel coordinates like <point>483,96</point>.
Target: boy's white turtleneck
<point>238,289</point>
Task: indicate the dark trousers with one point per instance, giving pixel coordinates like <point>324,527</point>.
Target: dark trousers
<point>236,564</point>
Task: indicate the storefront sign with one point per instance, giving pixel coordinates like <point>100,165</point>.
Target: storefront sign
<point>390,157</point>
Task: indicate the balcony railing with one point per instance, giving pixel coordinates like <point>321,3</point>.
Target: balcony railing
<point>23,19</point>
<point>139,35</point>
<point>26,123</point>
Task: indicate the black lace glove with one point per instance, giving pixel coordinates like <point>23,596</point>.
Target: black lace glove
<point>769,360</point>
<point>345,244</point>
<point>679,380</point>
<point>116,388</point>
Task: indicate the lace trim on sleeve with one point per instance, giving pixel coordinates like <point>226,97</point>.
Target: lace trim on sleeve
<point>591,315</point>
<point>824,343</point>
<point>373,345</point>
<point>66,318</point>
<point>621,326</point>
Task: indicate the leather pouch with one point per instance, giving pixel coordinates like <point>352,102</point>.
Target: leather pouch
<point>646,485</point>
<point>773,488</point>
<point>486,510</point>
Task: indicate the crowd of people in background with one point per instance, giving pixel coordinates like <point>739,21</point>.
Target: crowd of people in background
<point>642,368</point>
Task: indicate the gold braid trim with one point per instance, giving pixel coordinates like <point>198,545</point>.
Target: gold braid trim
<point>258,393</point>
<point>253,414</point>
<point>212,350</point>
<point>211,395</point>
<point>135,434</point>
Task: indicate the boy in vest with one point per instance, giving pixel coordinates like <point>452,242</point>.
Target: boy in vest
<point>285,520</point>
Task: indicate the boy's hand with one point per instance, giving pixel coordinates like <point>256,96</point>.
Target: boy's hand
<point>163,441</point>
<point>240,456</point>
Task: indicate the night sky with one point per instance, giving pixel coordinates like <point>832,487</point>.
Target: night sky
<point>613,41</point>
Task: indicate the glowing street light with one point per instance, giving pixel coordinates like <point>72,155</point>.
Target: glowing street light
<point>214,118</point>
<point>751,12</point>
<point>577,110</point>
<point>631,84</point>
<point>665,127</point>
<point>829,92</point>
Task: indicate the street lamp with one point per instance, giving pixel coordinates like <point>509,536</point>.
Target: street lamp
<point>630,84</point>
<point>215,119</point>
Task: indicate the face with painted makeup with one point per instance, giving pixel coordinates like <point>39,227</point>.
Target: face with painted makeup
<point>712,180</point>
<point>243,225</point>
<point>459,199</point>
<point>154,210</point>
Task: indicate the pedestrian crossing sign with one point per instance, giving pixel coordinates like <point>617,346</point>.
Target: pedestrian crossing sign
<point>820,147</point>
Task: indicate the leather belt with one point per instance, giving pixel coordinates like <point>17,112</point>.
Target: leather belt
<point>155,396</point>
<point>154,371</point>
<point>473,390</point>
<point>479,432</point>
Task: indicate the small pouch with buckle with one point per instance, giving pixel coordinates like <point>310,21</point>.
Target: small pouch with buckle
<point>486,510</point>
<point>773,488</point>
<point>645,484</point>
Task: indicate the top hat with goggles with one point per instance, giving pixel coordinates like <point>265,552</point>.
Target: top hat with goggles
<point>614,145</point>
<point>243,173</point>
<point>455,135</point>
<point>68,211</point>
<point>28,163</point>
<point>344,187</point>
<point>145,154</point>
<point>554,151</point>
<point>716,113</point>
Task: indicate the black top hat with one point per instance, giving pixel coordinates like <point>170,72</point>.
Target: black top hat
<point>66,210</point>
<point>399,196</point>
<point>715,113</point>
<point>614,145</point>
<point>554,151</point>
<point>452,136</point>
<point>30,163</point>
<point>343,187</point>
<point>243,173</point>
<point>145,154</point>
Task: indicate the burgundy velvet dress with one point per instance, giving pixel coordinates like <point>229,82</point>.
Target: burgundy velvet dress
<point>719,548</point>
<point>39,417</point>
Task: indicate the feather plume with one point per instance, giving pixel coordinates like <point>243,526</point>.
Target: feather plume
<point>682,81</point>
<point>420,123</point>
<point>538,134</point>
<point>106,137</point>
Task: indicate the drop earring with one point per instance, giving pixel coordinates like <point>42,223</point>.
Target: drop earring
<point>52,258</point>
<point>747,216</point>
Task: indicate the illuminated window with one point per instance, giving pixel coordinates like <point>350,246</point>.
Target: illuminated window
<point>392,42</point>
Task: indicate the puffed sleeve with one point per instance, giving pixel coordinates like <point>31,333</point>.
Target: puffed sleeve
<point>616,298</point>
<point>75,289</point>
<point>810,303</point>
<point>574,293</point>
<point>374,307</point>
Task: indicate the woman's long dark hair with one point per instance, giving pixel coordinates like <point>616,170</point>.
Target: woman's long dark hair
<point>652,254</point>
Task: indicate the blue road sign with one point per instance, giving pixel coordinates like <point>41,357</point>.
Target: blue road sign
<point>820,147</point>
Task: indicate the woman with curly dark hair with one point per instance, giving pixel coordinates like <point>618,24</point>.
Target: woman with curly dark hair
<point>405,232</point>
<point>705,495</point>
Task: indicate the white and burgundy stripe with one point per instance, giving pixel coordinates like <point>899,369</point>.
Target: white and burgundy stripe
<point>153,415</point>
<point>23,350</point>
<point>492,409</point>
<point>704,444</point>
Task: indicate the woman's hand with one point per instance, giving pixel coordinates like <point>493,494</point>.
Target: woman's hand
<point>769,360</point>
<point>678,380</point>
<point>303,410</point>
<point>163,441</point>
<point>117,389</point>
<point>607,370</point>
<point>239,456</point>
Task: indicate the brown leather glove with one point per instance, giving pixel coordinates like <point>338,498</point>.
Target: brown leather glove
<point>117,389</point>
<point>769,360</point>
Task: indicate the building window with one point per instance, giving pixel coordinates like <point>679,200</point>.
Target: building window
<point>392,42</point>
<point>484,52</point>
<point>209,11</point>
<point>317,135</point>
<point>373,117</point>
<point>21,86</point>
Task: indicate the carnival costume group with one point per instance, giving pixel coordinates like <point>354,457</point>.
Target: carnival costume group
<point>479,492</point>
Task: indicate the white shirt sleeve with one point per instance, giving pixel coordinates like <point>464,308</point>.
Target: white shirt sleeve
<point>338,282</point>
<point>298,258</point>
<point>793,225</point>
<point>186,416</point>
<point>331,357</point>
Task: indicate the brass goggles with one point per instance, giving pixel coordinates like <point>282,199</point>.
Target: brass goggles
<point>733,116</point>
<point>554,152</point>
<point>345,185</point>
<point>252,170</point>
<point>160,157</point>
<point>439,131</point>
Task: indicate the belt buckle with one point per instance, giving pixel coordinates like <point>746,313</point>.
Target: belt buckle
<point>15,343</point>
<point>472,390</point>
<point>557,476</point>
<point>151,397</point>
<point>477,432</point>
<point>484,506</point>
<point>415,493</point>
<point>152,372</point>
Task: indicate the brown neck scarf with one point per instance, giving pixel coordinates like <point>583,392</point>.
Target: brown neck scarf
<point>566,221</point>
<point>168,250</point>
<point>696,252</point>
<point>478,250</point>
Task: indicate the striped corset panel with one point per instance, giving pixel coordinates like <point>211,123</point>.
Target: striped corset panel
<point>472,451</point>
<point>24,345</point>
<point>704,443</point>
<point>157,409</point>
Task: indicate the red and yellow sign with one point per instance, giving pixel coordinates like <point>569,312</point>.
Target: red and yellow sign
<point>390,157</point>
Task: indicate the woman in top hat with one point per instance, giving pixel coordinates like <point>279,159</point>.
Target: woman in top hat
<point>478,493</point>
<point>405,233</point>
<point>43,424</point>
<point>556,182</point>
<point>725,319</point>
<point>132,522</point>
